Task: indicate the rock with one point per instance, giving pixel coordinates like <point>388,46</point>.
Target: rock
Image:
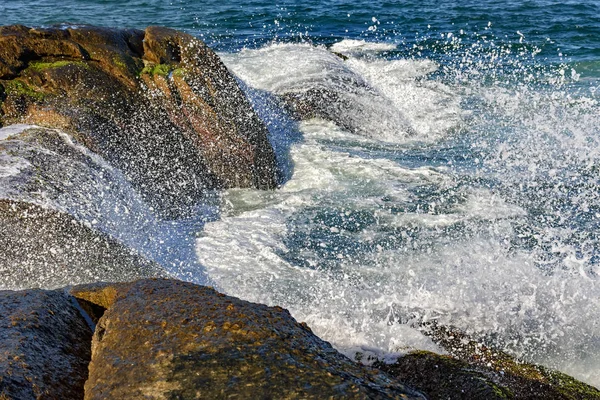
<point>157,104</point>
<point>49,247</point>
<point>444,377</point>
<point>44,346</point>
<point>172,339</point>
<point>476,371</point>
<point>351,105</point>
<point>321,103</point>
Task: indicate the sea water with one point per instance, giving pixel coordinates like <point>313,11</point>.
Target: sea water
<point>466,192</point>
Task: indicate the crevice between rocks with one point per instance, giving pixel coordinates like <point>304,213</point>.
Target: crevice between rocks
<point>91,312</point>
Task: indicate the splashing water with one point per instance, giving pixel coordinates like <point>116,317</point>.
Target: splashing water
<point>483,218</point>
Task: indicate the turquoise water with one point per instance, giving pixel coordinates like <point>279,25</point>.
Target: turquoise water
<point>462,186</point>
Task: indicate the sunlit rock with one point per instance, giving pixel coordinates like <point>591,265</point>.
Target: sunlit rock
<point>179,340</point>
<point>157,104</point>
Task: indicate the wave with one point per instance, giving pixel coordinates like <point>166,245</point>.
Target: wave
<point>387,101</point>
<point>480,215</point>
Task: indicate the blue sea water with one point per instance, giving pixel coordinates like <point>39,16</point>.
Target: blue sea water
<point>468,191</point>
<point>568,27</point>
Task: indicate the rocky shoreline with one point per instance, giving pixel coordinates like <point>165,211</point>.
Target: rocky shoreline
<point>168,339</point>
<point>153,117</point>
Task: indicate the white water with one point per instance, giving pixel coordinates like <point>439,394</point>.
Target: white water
<point>373,232</point>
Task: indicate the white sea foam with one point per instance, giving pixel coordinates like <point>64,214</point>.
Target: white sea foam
<point>14,129</point>
<point>361,239</point>
<point>353,46</point>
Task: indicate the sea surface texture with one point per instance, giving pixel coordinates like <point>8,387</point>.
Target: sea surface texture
<point>457,178</point>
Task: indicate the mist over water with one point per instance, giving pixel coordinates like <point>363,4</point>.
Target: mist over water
<point>462,185</point>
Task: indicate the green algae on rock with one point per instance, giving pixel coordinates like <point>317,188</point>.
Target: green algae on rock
<point>476,371</point>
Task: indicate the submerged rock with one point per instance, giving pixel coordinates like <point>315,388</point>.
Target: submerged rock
<point>46,246</point>
<point>44,346</point>
<point>178,340</point>
<point>157,104</point>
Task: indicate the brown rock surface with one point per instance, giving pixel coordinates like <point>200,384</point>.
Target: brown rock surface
<point>44,346</point>
<point>157,104</point>
<point>166,339</point>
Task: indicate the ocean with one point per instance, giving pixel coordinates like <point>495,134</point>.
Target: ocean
<point>459,181</point>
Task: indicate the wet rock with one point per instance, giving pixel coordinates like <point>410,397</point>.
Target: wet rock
<point>444,377</point>
<point>321,103</point>
<point>325,86</point>
<point>44,346</point>
<point>46,246</point>
<point>157,104</point>
<point>476,371</point>
<point>171,339</point>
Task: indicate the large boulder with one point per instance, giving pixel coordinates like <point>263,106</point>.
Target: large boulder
<point>171,339</point>
<point>157,104</point>
<point>44,346</point>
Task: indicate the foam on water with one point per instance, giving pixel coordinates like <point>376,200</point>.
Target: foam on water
<point>483,218</point>
<point>354,47</point>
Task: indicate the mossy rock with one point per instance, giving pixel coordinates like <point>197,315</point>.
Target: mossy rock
<point>568,386</point>
<point>445,377</point>
<point>22,89</point>
<point>481,370</point>
<point>157,104</point>
<point>157,69</point>
<point>40,66</point>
